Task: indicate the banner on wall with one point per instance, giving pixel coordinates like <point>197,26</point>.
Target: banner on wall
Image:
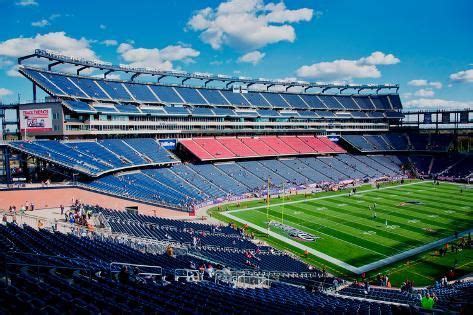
<point>36,120</point>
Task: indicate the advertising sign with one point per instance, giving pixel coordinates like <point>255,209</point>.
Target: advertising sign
<point>169,144</point>
<point>36,120</point>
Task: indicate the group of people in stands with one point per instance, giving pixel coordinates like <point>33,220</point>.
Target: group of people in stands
<point>407,286</point>
<point>383,281</point>
<point>13,211</point>
<point>77,214</point>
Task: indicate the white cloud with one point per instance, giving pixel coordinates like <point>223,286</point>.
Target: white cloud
<point>425,93</point>
<point>27,3</point>
<point>344,69</point>
<point>13,72</point>
<point>156,58</point>
<point>379,58</point>
<point>247,24</point>
<point>56,41</point>
<point>253,57</point>
<point>463,76</point>
<point>5,92</point>
<point>5,62</point>
<point>103,26</point>
<point>407,95</point>
<point>40,23</point>
<point>436,84</point>
<point>436,103</point>
<point>52,17</point>
<point>110,42</point>
<point>418,82</point>
<point>422,82</point>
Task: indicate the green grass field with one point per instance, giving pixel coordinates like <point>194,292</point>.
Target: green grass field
<point>346,226</point>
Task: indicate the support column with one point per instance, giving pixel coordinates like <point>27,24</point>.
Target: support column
<point>34,92</point>
<point>6,165</point>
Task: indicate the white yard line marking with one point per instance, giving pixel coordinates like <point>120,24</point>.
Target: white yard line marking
<point>342,264</point>
<point>324,197</point>
<point>286,240</point>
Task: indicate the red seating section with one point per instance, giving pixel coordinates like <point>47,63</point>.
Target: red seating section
<point>316,144</point>
<point>258,146</point>
<point>297,144</point>
<point>227,148</point>
<point>278,145</point>
<point>214,148</point>
<point>237,147</point>
<point>196,149</point>
<point>335,147</point>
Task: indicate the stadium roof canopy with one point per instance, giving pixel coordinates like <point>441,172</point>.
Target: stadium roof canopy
<point>108,68</point>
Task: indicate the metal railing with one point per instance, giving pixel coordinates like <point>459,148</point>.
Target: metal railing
<point>190,275</point>
<point>41,261</point>
<point>137,270</point>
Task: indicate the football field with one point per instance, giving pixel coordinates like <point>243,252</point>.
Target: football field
<point>372,225</point>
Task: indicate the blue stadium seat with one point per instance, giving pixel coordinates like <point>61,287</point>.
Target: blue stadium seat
<point>166,94</point>
<point>141,92</point>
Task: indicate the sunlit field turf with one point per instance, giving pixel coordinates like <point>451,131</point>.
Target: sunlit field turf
<point>407,216</point>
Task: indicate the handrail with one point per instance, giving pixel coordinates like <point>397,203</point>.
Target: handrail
<point>114,263</point>
<point>190,275</point>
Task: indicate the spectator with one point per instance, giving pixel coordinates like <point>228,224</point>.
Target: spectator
<point>209,270</point>
<point>170,251</point>
<point>123,275</point>
<point>427,302</point>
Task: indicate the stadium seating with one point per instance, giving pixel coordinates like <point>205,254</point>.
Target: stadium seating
<point>185,186</point>
<point>194,179</point>
<point>96,158</point>
<point>214,148</point>
<point>381,294</point>
<point>221,148</point>
<point>306,105</point>
<point>236,146</point>
<point>220,179</point>
<point>297,144</point>
<point>77,269</point>
<point>422,163</point>
<point>462,169</point>
<point>399,142</point>
<point>258,146</point>
<point>235,171</point>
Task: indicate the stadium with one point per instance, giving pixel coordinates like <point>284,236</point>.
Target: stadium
<point>132,189</point>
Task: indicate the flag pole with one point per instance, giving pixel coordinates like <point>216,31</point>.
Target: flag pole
<point>282,211</point>
<point>267,207</point>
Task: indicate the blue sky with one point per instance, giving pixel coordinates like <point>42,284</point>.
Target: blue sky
<point>425,46</point>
